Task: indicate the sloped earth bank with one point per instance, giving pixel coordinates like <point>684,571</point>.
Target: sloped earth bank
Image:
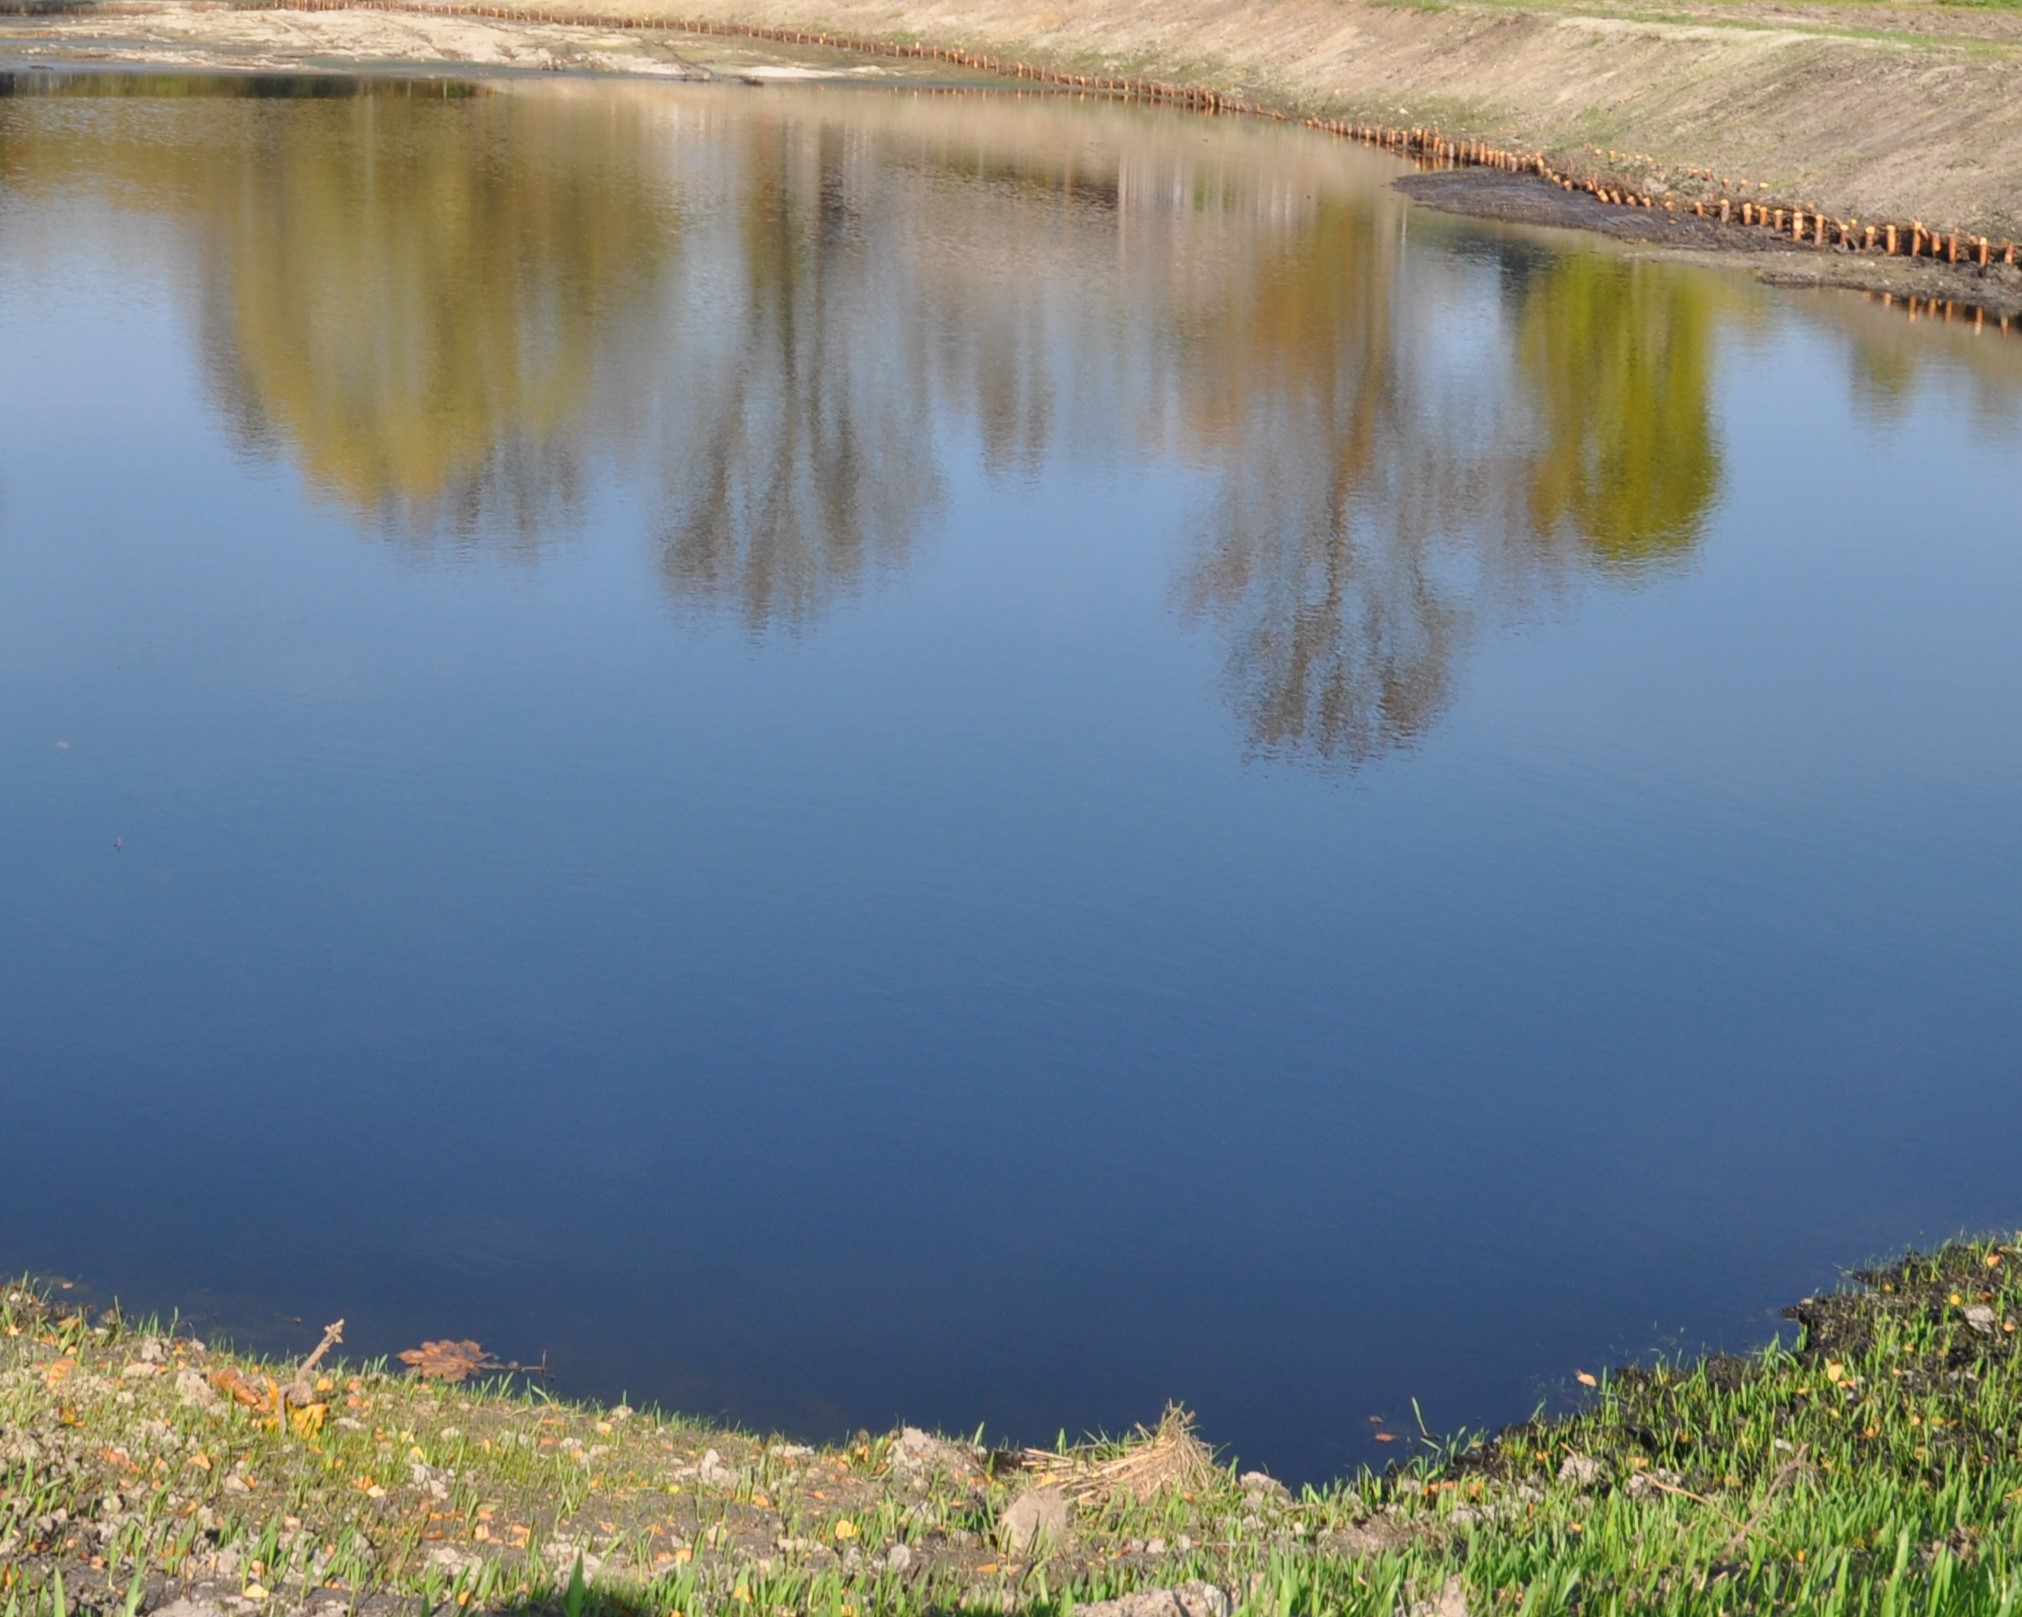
<point>1868,112</point>
<point>1871,1467</point>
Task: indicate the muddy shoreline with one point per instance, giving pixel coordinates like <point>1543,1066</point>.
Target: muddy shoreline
<point>1987,297</point>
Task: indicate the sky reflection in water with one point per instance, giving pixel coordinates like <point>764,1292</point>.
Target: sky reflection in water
<point>843,755</point>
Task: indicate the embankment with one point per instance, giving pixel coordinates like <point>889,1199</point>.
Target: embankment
<point>1868,112</point>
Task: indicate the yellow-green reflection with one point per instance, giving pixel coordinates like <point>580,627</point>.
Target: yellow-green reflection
<point>408,288</point>
<point>1616,357</point>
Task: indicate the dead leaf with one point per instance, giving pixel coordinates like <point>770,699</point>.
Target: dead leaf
<point>235,1386</point>
<point>449,1361</point>
<point>308,1419</point>
<point>1586,1380</point>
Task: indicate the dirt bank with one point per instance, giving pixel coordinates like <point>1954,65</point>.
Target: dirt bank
<point>1862,111</point>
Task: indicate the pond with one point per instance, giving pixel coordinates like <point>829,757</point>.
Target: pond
<point>832,755</point>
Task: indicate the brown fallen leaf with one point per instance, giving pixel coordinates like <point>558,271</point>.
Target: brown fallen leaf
<point>1586,1380</point>
<point>449,1361</point>
<point>236,1387</point>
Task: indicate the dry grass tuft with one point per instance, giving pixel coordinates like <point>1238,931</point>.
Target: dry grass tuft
<point>1166,1458</point>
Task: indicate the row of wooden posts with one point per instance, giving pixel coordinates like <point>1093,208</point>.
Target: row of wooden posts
<point>1808,226</point>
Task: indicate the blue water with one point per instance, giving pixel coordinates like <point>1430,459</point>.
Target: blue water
<point>1022,793</point>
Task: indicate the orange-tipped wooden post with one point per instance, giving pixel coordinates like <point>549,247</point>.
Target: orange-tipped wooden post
<point>1891,248</point>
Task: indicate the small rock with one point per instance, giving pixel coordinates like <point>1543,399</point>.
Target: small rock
<point>192,1388</point>
<point>899,1558</point>
<point>1183,1544</point>
<point>141,1367</point>
<point>1582,1470</point>
<point>1262,1482</point>
<point>790,1451</point>
<point>713,1473</point>
<point>429,1479</point>
<point>450,1559</point>
<point>1034,1523</point>
<point>1154,1546</point>
<point>915,1456</point>
<point>1188,1600</point>
<point>1451,1601</point>
<point>1981,1318</point>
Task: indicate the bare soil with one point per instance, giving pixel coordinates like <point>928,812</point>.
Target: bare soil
<point>1870,111</point>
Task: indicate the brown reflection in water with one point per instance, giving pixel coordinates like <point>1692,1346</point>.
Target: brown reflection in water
<point>1341,638</point>
<point>798,455</point>
<point>408,288</point>
<point>419,311</point>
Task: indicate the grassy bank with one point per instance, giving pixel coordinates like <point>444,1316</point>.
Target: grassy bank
<point>1872,1467</point>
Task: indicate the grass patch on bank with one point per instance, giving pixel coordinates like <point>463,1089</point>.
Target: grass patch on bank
<point>1871,1467</point>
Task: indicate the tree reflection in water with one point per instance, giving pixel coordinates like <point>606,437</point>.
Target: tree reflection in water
<point>798,453</point>
<point>449,310</point>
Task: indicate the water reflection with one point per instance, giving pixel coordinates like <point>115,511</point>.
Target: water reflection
<point>779,314</point>
<point>798,452</point>
<point>419,312</point>
<point>1618,360</point>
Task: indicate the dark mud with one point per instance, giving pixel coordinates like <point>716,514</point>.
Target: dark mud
<point>1994,293</point>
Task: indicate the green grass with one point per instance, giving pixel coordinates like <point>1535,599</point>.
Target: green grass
<point>1870,1468</point>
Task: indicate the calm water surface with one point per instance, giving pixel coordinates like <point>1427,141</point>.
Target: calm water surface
<point>841,755</point>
